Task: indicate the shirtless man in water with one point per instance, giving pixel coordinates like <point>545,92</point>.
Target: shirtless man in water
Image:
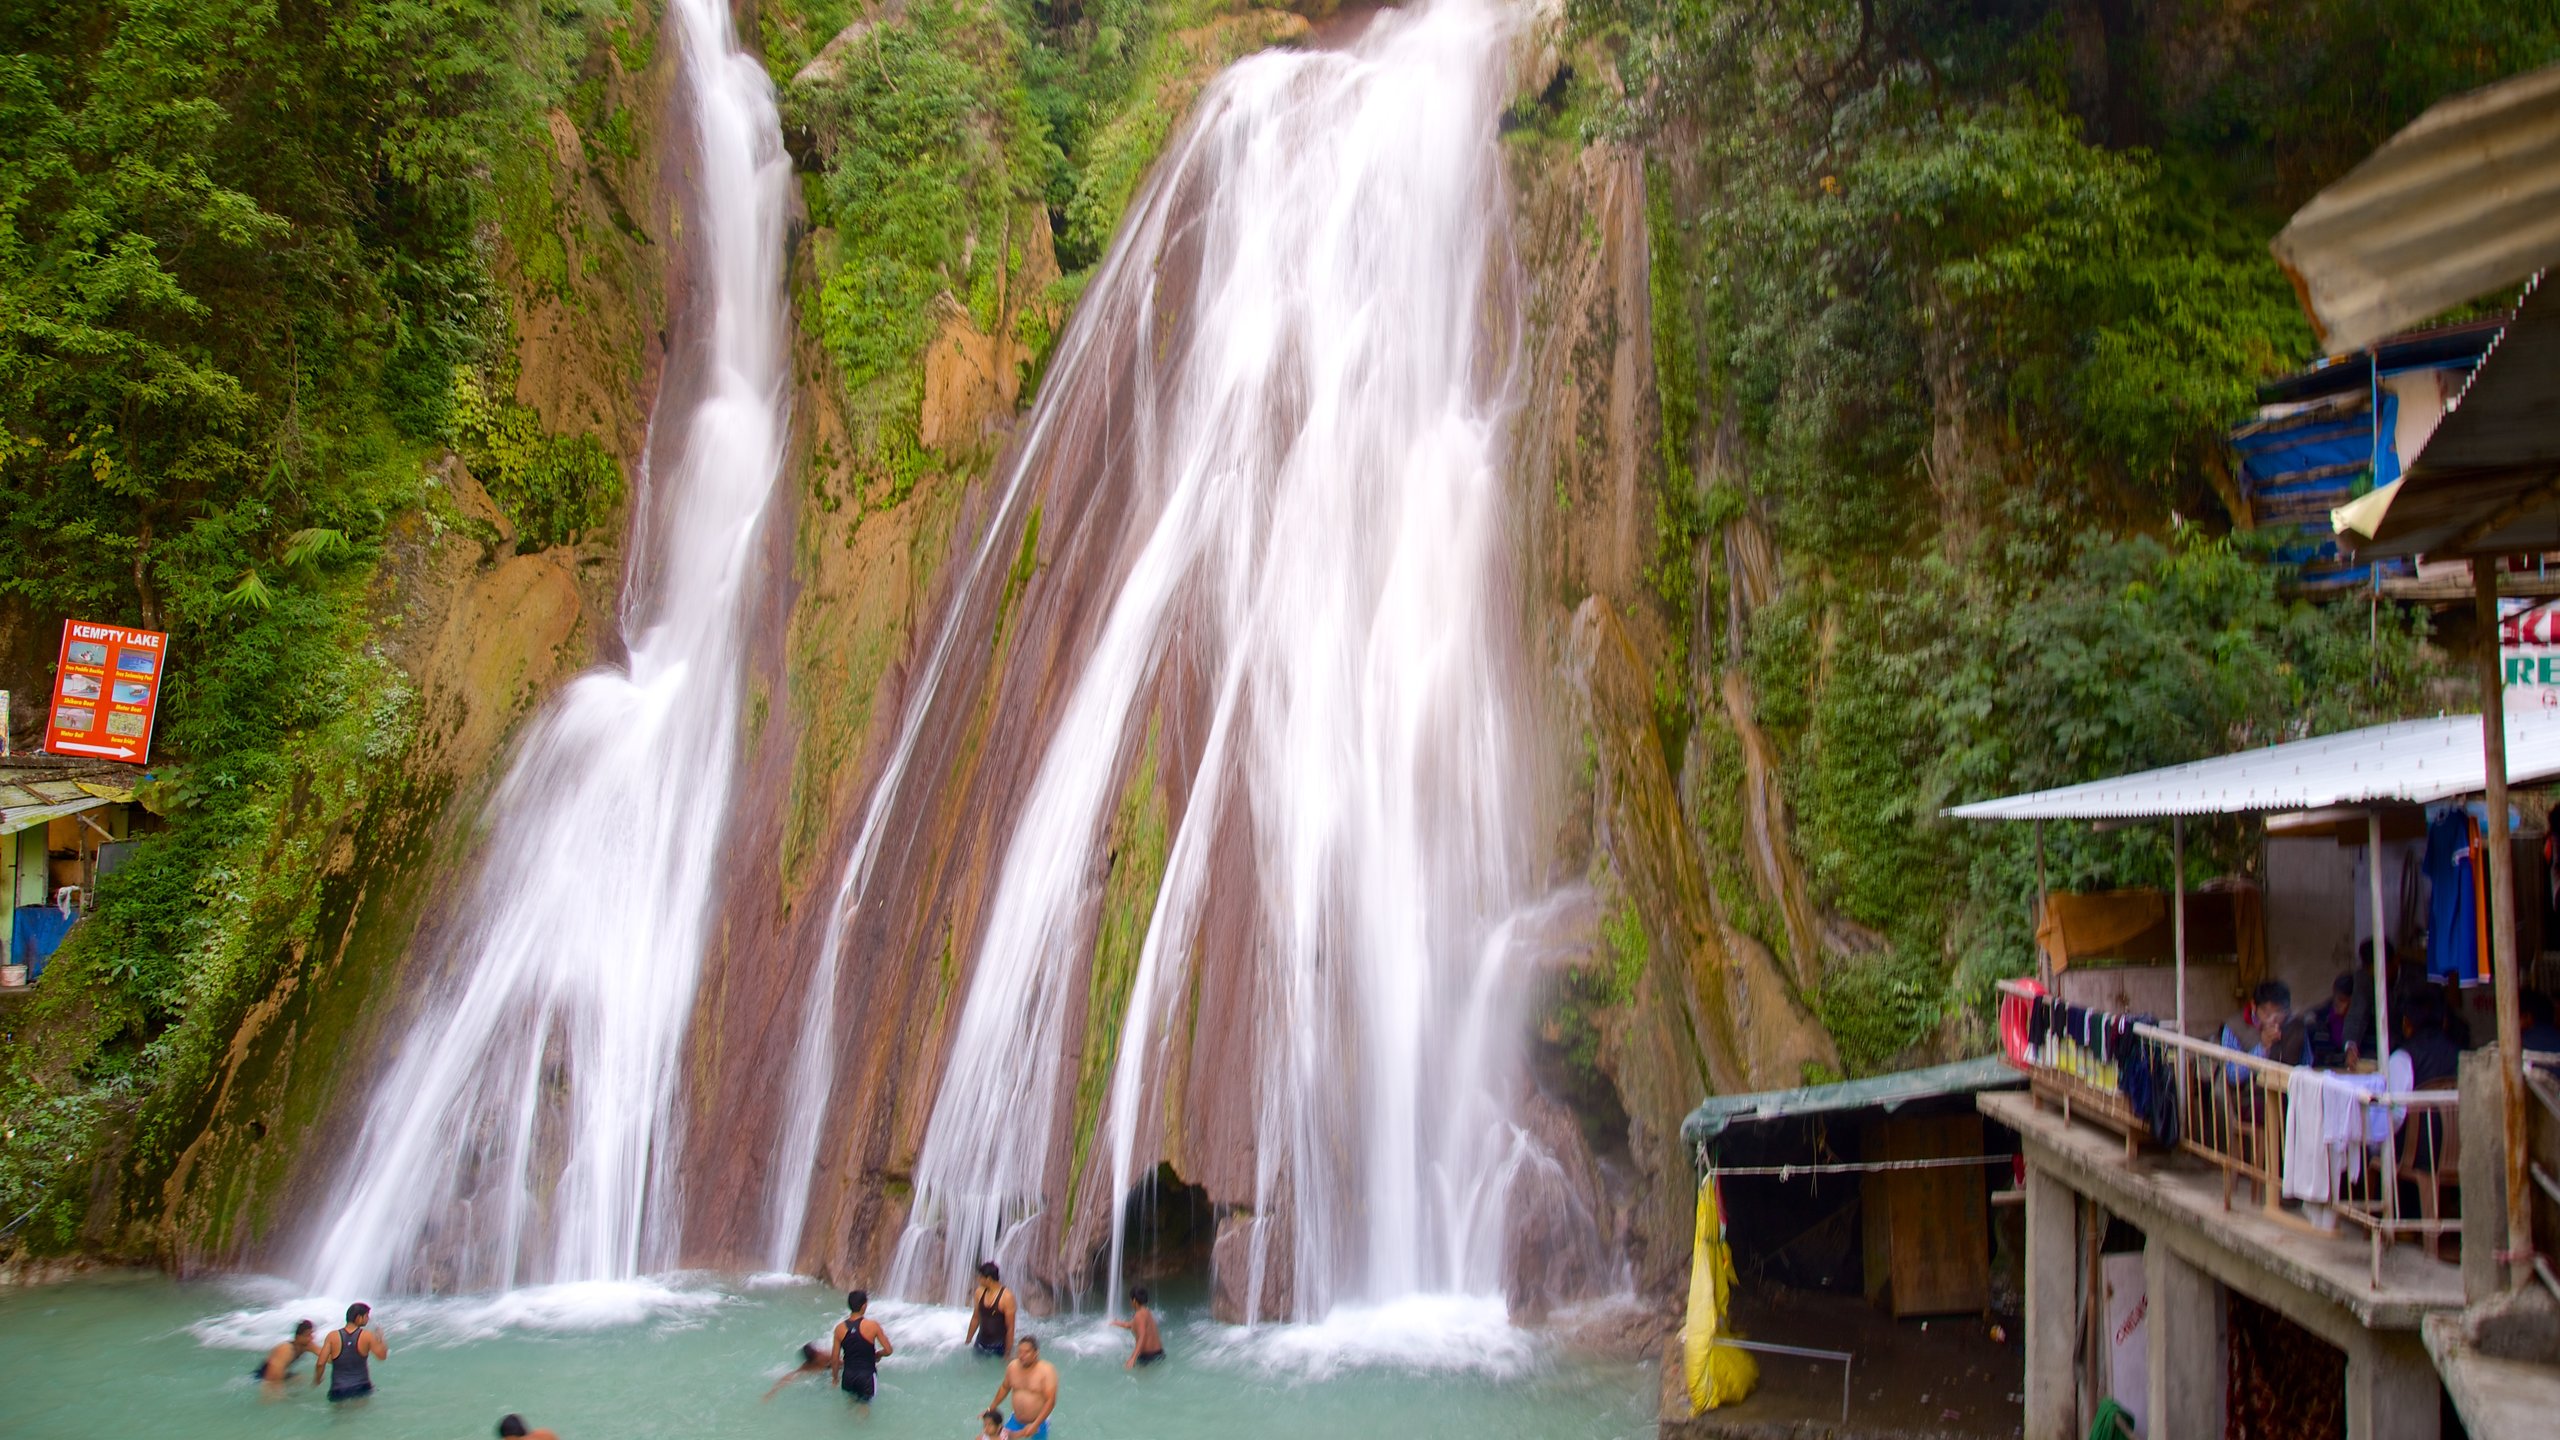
<point>280,1360</point>
<point>1141,1325</point>
<point>1033,1384</point>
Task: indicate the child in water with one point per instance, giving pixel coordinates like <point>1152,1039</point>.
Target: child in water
<point>814,1360</point>
<point>1147,1345</point>
<point>990,1424</point>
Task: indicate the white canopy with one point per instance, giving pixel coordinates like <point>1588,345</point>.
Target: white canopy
<point>2405,762</point>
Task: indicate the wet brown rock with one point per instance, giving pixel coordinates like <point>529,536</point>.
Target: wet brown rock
<point>1555,1239</point>
<point>1231,1270</point>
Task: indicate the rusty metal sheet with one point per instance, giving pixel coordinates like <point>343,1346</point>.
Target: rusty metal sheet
<point>2463,201</point>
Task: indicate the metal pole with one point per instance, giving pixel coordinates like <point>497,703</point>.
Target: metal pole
<point>2382,1035</point>
<point>2502,914</point>
<point>2178,910</point>
<point>2381,977</point>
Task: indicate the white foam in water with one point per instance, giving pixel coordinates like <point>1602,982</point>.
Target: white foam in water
<point>1445,1334</point>
<point>572,1307</point>
<point>922,1329</point>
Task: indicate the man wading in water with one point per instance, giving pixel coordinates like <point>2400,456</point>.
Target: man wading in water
<point>991,1313</point>
<point>342,1356</point>
<point>860,1347</point>
<point>1033,1384</point>
<point>280,1360</point>
<point>1148,1341</point>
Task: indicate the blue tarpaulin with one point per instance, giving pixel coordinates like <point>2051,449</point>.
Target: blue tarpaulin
<point>37,934</point>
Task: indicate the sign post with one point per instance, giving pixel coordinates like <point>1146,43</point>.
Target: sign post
<point>106,692</point>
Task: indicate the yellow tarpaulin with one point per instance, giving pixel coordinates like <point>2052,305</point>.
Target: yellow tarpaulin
<point>1717,1374</point>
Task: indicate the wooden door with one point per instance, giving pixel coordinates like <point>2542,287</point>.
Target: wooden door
<point>1928,1233</point>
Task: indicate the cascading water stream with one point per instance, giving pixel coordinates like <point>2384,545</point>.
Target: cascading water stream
<point>1317,525</point>
<point>525,1128</point>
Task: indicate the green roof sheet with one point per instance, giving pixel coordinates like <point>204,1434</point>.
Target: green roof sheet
<point>1887,1092</point>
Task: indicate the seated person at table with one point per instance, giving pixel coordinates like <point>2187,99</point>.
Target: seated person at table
<point>2433,1055</point>
<point>2337,1039</point>
<point>2540,1033</point>
<point>2267,1029</point>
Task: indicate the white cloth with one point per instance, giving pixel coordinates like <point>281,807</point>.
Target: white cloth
<point>2308,1174</point>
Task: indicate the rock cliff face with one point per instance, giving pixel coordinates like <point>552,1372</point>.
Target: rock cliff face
<point>1654,993</point>
<point>1676,1000</point>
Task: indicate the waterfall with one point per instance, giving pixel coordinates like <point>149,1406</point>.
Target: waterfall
<point>525,1128</point>
<point>1316,532</point>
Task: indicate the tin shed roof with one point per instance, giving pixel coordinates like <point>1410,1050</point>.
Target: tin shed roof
<point>2462,201</point>
<point>1889,1092</point>
<point>2405,762</point>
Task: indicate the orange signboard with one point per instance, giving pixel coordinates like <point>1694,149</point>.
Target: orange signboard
<point>106,691</point>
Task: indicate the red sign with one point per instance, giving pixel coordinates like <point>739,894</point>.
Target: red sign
<point>105,691</point>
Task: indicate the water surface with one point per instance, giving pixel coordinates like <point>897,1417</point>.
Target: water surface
<point>690,1356</point>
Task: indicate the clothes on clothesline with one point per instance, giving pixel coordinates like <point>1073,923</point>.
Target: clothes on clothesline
<point>2331,1124</point>
<point>2103,1049</point>
<point>2453,900</point>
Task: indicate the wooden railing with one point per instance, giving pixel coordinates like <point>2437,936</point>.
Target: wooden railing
<point>2230,1108</point>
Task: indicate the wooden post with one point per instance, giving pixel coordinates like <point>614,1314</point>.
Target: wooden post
<point>2044,962</point>
<point>2381,1008</point>
<point>2502,916</point>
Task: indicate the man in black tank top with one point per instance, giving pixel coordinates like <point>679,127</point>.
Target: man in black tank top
<point>991,1313</point>
<point>343,1356</point>
<point>860,1347</point>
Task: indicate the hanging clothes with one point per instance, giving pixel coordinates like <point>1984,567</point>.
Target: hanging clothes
<point>2453,902</point>
<point>2307,1175</point>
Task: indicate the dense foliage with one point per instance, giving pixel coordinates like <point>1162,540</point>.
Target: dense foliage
<point>1959,295</point>
<point>954,145</point>
<point>243,280</point>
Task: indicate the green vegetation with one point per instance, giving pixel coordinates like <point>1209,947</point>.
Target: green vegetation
<point>1970,295</point>
<point>553,487</point>
<point>242,287</point>
<point>957,145</point>
<point>1139,845</point>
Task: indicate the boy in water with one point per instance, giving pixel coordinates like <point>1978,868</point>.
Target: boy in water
<point>512,1428</point>
<point>991,1425</point>
<point>1148,1346</point>
<point>860,1347</point>
<point>813,1361</point>
<point>279,1360</point>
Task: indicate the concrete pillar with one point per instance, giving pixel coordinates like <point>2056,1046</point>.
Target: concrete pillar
<point>2189,1354</point>
<point>2392,1389</point>
<point>2053,1308</point>
<point>2483,1122</point>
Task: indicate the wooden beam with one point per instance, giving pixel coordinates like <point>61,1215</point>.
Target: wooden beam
<point>2504,515</point>
<point>2448,589</point>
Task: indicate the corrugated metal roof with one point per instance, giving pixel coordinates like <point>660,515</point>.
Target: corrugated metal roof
<point>2463,201</point>
<point>2485,483</point>
<point>1889,1092</point>
<point>17,818</point>
<point>2407,761</point>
